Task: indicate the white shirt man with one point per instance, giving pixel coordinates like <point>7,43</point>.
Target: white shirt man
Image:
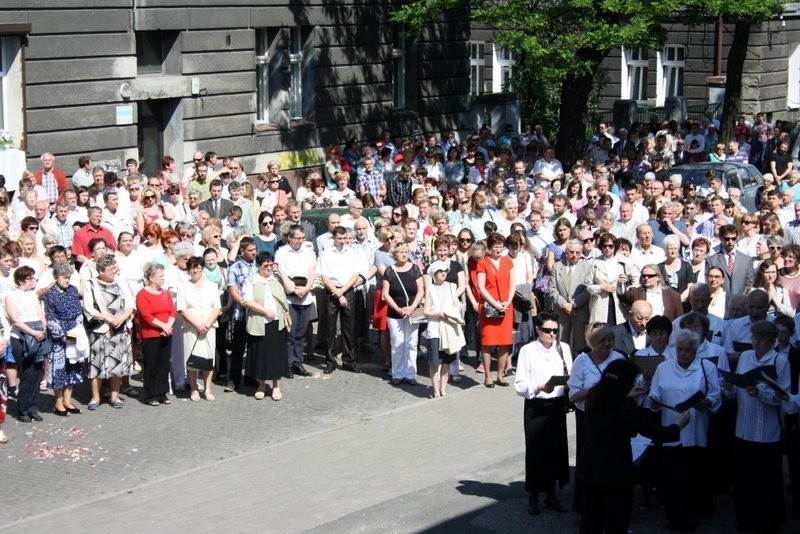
<point>644,251</point>
<point>625,226</point>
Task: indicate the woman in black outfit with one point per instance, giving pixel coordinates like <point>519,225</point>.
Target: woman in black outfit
<point>606,463</point>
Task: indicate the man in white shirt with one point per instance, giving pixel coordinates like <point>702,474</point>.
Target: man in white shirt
<point>343,268</point>
<point>507,215</point>
<point>699,300</point>
<point>547,168</point>
<point>539,236</point>
<point>625,226</point>
<point>297,266</point>
<point>644,251</point>
<point>737,338</point>
<point>113,218</point>
<point>83,176</point>
<point>325,241</point>
<point>560,210</point>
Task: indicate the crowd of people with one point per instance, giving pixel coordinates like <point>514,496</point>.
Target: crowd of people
<point>609,287</point>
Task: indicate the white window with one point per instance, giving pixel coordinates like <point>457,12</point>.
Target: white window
<point>671,65</point>
<point>11,115</point>
<point>398,69</point>
<point>793,88</point>
<point>477,63</point>
<point>262,75</point>
<point>634,75</point>
<point>296,73</point>
<point>502,69</point>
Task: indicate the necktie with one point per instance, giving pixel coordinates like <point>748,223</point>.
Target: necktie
<point>730,264</point>
<point>216,209</point>
<point>569,278</point>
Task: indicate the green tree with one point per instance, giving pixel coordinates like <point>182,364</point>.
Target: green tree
<point>560,41</point>
<point>565,41</point>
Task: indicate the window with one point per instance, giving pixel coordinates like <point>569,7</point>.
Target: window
<point>11,90</point>
<point>671,65</point>
<point>634,77</point>
<point>262,74</point>
<point>502,69</point>
<point>477,62</point>
<point>154,49</point>
<point>285,72</point>
<point>398,69</point>
<point>793,88</point>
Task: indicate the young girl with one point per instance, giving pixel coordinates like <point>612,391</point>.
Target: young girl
<point>445,333</point>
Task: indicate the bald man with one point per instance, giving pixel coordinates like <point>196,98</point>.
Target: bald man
<point>631,336</point>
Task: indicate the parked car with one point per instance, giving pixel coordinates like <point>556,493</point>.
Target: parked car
<point>747,178</point>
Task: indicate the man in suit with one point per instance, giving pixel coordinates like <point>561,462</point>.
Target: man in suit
<point>663,300</point>
<point>571,278</point>
<point>216,206</point>
<point>736,266</point>
<point>631,336</point>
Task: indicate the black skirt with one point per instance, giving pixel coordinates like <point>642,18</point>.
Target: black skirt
<point>266,355</point>
<point>758,490</point>
<point>546,449</point>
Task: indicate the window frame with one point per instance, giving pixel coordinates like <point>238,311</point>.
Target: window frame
<point>477,67</point>
<point>669,70</point>
<point>631,63</point>
<point>503,64</point>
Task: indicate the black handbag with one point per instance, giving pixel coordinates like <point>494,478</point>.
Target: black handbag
<point>490,312</point>
<point>200,363</point>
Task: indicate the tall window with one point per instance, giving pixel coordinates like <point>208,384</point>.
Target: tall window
<point>477,63</point>
<point>502,69</point>
<point>398,68</point>
<point>793,82</point>
<point>11,90</point>
<point>285,71</point>
<point>262,74</point>
<point>673,63</point>
<point>635,78</point>
<point>296,73</point>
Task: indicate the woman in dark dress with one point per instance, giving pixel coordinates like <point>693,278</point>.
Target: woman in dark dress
<point>267,323</point>
<point>606,462</point>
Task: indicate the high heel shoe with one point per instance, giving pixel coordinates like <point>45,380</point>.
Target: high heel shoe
<point>61,413</point>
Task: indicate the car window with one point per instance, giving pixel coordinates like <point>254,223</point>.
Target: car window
<point>748,178</point>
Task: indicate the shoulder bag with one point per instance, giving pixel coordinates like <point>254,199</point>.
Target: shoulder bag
<point>418,315</point>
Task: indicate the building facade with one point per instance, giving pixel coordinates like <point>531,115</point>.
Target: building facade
<point>685,67</point>
<point>253,79</point>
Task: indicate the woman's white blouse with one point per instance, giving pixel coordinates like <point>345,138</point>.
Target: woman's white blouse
<point>759,418</point>
<point>672,384</point>
<point>535,366</point>
<point>585,373</point>
<point>269,301</point>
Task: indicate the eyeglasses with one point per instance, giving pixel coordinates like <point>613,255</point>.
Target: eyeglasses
<point>216,236</point>
<point>274,181</point>
<point>646,276</point>
<point>267,223</point>
<point>730,238</point>
<point>134,188</point>
<point>390,238</point>
<point>33,228</point>
<point>465,240</point>
<point>395,214</point>
<point>595,197</point>
<point>147,197</point>
<point>607,245</point>
<point>590,240</point>
<point>549,330</point>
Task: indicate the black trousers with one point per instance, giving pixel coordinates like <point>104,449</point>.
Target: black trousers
<point>238,344</point>
<point>685,488</point>
<point>30,373</point>
<point>606,509</point>
<point>346,316</point>
<point>156,356</point>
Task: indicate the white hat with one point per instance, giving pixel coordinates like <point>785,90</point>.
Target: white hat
<point>437,266</point>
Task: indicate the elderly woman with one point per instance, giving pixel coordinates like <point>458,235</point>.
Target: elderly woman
<point>609,279</point>
<point>319,197</point>
<point>675,271</point>
<point>758,487</point>
<point>64,314</point>
<point>685,490</point>
<point>403,292</point>
<point>586,371</point>
<point>108,307</point>
<point>28,341</point>
<point>267,324</point>
<point>157,315</point>
<point>496,317</point>
<point>545,418</point>
<point>199,305</point>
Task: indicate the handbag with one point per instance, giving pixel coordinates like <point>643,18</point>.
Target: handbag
<point>418,315</point>
<point>200,363</point>
<point>490,312</point>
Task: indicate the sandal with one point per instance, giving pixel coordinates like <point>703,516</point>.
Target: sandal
<point>259,395</point>
<point>276,394</point>
<point>396,381</point>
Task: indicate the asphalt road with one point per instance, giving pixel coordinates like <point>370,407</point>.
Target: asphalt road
<point>345,453</point>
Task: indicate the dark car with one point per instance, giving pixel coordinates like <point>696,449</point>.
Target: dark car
<point>743,176</point>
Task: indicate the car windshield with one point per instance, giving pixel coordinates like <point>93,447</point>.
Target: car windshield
<point>694,176</point>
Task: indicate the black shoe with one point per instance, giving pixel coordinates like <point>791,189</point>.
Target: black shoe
<point>289,374</point>
<point>24,418</point>
<point>533,504</point>
<point>352,367</point>
<point>61,413</point>
<point>329,367</point>
<point>552,503</point>
<point>300,370</point>
<point>12,393</point>
<point>36,417</point>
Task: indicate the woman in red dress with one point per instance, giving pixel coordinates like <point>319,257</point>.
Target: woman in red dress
<point>497,292</point>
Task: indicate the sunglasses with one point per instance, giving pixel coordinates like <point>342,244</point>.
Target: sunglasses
<point>216,236</point>
<point>397,214</point>
<point>646,276</point>
<point>267,223</point>
<point>465,240</point>
<point>274,181</point>
<point>549,330</point>
<point>149,196</point>
<point>775,247</point>
<point>590,240</point>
